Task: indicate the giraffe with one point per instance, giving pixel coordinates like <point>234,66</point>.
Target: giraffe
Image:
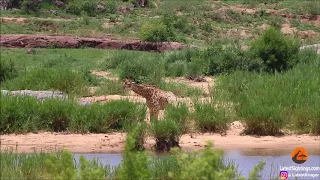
<point>156,99</point>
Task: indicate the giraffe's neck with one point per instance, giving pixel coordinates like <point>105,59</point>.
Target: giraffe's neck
<point>146,92</point>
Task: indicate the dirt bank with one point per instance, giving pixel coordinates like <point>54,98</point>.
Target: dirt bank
<point>114,142</point>
<point>45,41</point>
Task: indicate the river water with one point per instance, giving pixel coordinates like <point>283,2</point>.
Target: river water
<point>246,160</point>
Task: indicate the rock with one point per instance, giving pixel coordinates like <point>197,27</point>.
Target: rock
<point>5,92</point>
<point>40,95</point>
<point>44,41</point>
<point>315,47</point>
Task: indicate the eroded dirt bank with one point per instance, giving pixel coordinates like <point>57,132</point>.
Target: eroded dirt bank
<point>114,142</point>
<point>45,41</point>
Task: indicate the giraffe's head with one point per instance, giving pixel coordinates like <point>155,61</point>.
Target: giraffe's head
<point>127,83</point>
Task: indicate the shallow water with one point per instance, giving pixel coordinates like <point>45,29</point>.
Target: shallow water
<point>245,160</point>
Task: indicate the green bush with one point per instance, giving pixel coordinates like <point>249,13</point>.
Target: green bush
<point>208,164</point>
<point>277,51</point>
<point>30,6</point>
<point>169,28</point>
<point>134,163</point>
<point>210,119</point>
<point>54,114</point>
<point>18,114</point>
<point>177,69</point>
<point>8,70</point>
<point>97,118</point>
<point>90,7</point>
<point>143,70</point>
<point>167,133</point>
<point>179,113</point>
<point>155,32</point>
<point>198,66</point>
<point>137,136</point>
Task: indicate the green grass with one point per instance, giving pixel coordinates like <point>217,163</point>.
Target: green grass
<point>110,87</point>
<point>82,27</point>
<point>26,114</point>
<point>181,90</point>
<point>303,26</point>
<point>301,7</point>
<point>209,118</point>
<point>53,165</point>
<point>268,103</point>
<point>65,80</point>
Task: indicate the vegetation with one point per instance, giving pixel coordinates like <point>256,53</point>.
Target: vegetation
<point>267,103</point>
<point>270,86</point>
<point>206,164</point>
<point>26,114</point>
<point>276,51</point>
<point>209,118</point>
<point>261,78</point>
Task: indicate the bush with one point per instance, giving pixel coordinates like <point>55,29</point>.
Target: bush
<point>134,163</point>
<point>101,118</point>
<point>155,32</point>
<point>137,136</point>
<point>177,69</point>
<point>229,59</point>
<point>8,70</point>
<point>143,70</point>
<point>167,133</point>
<point>54,114</point>
<point>277,51</point>
<point>180,114</point>
<point>30,6</point>
<point>166,29</point>
<point>208,164</point>
<point>18,114</point>
<point>210,119</point>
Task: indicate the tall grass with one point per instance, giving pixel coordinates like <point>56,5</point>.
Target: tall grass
<point>167,134</point>
<point>268,103</point>
<point>181,90</point>
<point>64,80</point>
<point>26,114</point>
<point>54,165</point>
<point>210,118</point>
<point>180,114</point>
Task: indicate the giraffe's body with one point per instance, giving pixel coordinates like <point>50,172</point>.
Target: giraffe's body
<point>156,99</point>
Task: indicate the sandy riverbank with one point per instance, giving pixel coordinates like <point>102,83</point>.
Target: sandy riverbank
<point>114,142</point>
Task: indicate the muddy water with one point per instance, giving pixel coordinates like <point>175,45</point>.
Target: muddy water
<point>246,160</point>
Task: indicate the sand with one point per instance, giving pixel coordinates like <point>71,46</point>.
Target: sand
<point>114,142</point>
